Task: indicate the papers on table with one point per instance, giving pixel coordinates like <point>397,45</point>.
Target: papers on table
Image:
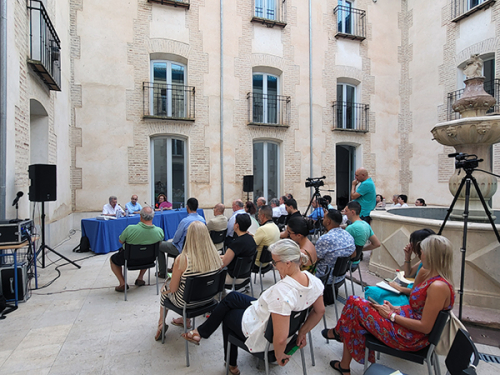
<point>101,217</point>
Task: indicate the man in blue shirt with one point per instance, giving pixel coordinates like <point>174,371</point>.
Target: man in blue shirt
<point>133,207</point>
<point>174,246</point>
<point>318,212</point>
<point>363,192</point>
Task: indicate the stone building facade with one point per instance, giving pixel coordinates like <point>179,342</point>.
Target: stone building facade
<point>143,106</point>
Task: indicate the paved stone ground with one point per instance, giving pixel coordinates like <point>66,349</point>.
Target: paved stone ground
<point>80,325</point>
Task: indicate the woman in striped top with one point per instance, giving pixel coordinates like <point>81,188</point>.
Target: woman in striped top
<point>199,257</point>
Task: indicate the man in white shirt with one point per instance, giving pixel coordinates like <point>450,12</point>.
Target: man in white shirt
<point>112,207</point>
<point>282,205</point>
<point>275,205</point>
<point>237,209</point>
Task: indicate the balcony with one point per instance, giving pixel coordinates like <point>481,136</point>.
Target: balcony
<point>175,3</point>
<point>351,116</point>
<point>464,8</point>
<point>45,46</point>
<point>168,102</point>
<point>491,87</point>
<point>270,12</point>
<point>268,110</point>
<point>351,22</point>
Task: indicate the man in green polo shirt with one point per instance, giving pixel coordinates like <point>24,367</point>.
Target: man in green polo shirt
<point>143,233</point>
<point>360,230</point>
<point>363,191</point>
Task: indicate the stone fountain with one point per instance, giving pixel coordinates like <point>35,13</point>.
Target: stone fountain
<point>474,133</point>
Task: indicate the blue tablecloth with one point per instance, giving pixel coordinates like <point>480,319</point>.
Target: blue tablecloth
<point>103,234</point>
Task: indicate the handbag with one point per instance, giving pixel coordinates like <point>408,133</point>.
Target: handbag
<point>449,332</point>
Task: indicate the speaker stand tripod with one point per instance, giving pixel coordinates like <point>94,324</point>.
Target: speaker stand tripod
<point>468,178</point>
<point>44,246</point>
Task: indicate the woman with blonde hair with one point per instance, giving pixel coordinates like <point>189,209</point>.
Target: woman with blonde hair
<point>199,257</point>
<point>245,318</point>
<point>405,327</point>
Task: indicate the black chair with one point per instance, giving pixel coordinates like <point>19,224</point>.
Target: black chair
<point>218,237</point>
<point>355,262</point>
<point>198,288</point>
<point>426,354</point>
<point>342,264</point>
<point>463,356</point>
<point>265,257</point>
<point>142,257</point>
<point>282,219</point>
<point>297,318</point>
<point>242,270</point>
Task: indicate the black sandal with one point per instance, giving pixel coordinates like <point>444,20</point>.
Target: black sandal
<point>335,337</point>
<point>339,369</point>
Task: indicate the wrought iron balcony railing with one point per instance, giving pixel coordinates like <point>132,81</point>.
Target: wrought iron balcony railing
<point>464,8</point>
<point>166,101</point>
<point>268,109</point>
<point>351,22</point>
<point>175,3</point>
<point>351,116</point>
<point>45,46</point>
<point>492,87</point>
<point>270,12</point>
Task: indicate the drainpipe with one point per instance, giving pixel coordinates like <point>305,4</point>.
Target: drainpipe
<point>311,172</point>
<point>221,103</point>
<point>3,105</point>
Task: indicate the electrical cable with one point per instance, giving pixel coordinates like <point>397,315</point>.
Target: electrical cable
<point>59,272</point>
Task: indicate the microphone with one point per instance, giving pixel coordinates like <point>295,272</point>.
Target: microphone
<point>18,196</point>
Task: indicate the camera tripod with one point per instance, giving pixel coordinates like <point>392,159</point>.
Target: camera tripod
<point>466,180</point>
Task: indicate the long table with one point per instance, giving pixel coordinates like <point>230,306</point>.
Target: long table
<point>103,234</point>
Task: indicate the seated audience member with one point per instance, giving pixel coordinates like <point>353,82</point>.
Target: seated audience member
<point>246,318</point>
<point>289,196</point>
<point>298,232</point>
<point>133,207</point>
<point>251,210</point>
<point>291,209</point>
<point>360,230</point>
<point>243,246</point>
<point>198,258</point>
<point>402,200</point>
<point>111,208</point>
<point>261,201</point>
<point>174,246</point>
<point>267,234</point>
<point>318,211</point>
<point>238,208</point>
<point>282,205</point>
<point>142,233</point>
<point>395,200</point>
<point>405,327</point>
<point>275,205</point>
<point>162,203</point>
<point>420,202</point>
<point>329,200</point>
<point>336,243</point>
<point>380,201</point>
<point>218,223</point>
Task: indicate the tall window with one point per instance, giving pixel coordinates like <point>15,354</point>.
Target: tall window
<point>346,114</point>
<point>169,169</point>
<point>168,95</point>
<point>265,98</point>
<point>344,17</point>
<point>265,9</point>
<point>266,170</point>
<point>472,3</point>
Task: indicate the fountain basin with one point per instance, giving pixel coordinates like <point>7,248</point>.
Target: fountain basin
<point>482,274</point>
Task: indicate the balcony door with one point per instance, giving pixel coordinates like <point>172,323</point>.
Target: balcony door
<point>346,114</point>
<point>169,169</point>
<point>167,94</point>
<point>344,17</point>
<point>266,170</point>
<point>265,9</point>
<point>265,98</point>
<point>345,161</point>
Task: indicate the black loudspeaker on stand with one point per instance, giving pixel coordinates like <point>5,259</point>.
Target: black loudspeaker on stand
<point>248,185</point>
<point>43,189</point>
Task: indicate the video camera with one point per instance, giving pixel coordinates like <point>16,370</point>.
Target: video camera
<point>465,161</point>
<point>315,182</point>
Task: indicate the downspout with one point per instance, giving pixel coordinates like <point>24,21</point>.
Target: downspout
<point>3,106</point>
<point>221,104</point>
<point>311,172</point>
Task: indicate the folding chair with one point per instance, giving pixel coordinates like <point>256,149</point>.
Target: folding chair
<point>342,264</point>
<point>242,270</point>
<point>426,354</point>
<point>297,318</point>
<point>356,262</point>
<point>218,237</point>
<point>198,288</point>
<point>142,256</point>
<point>265,257</point>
